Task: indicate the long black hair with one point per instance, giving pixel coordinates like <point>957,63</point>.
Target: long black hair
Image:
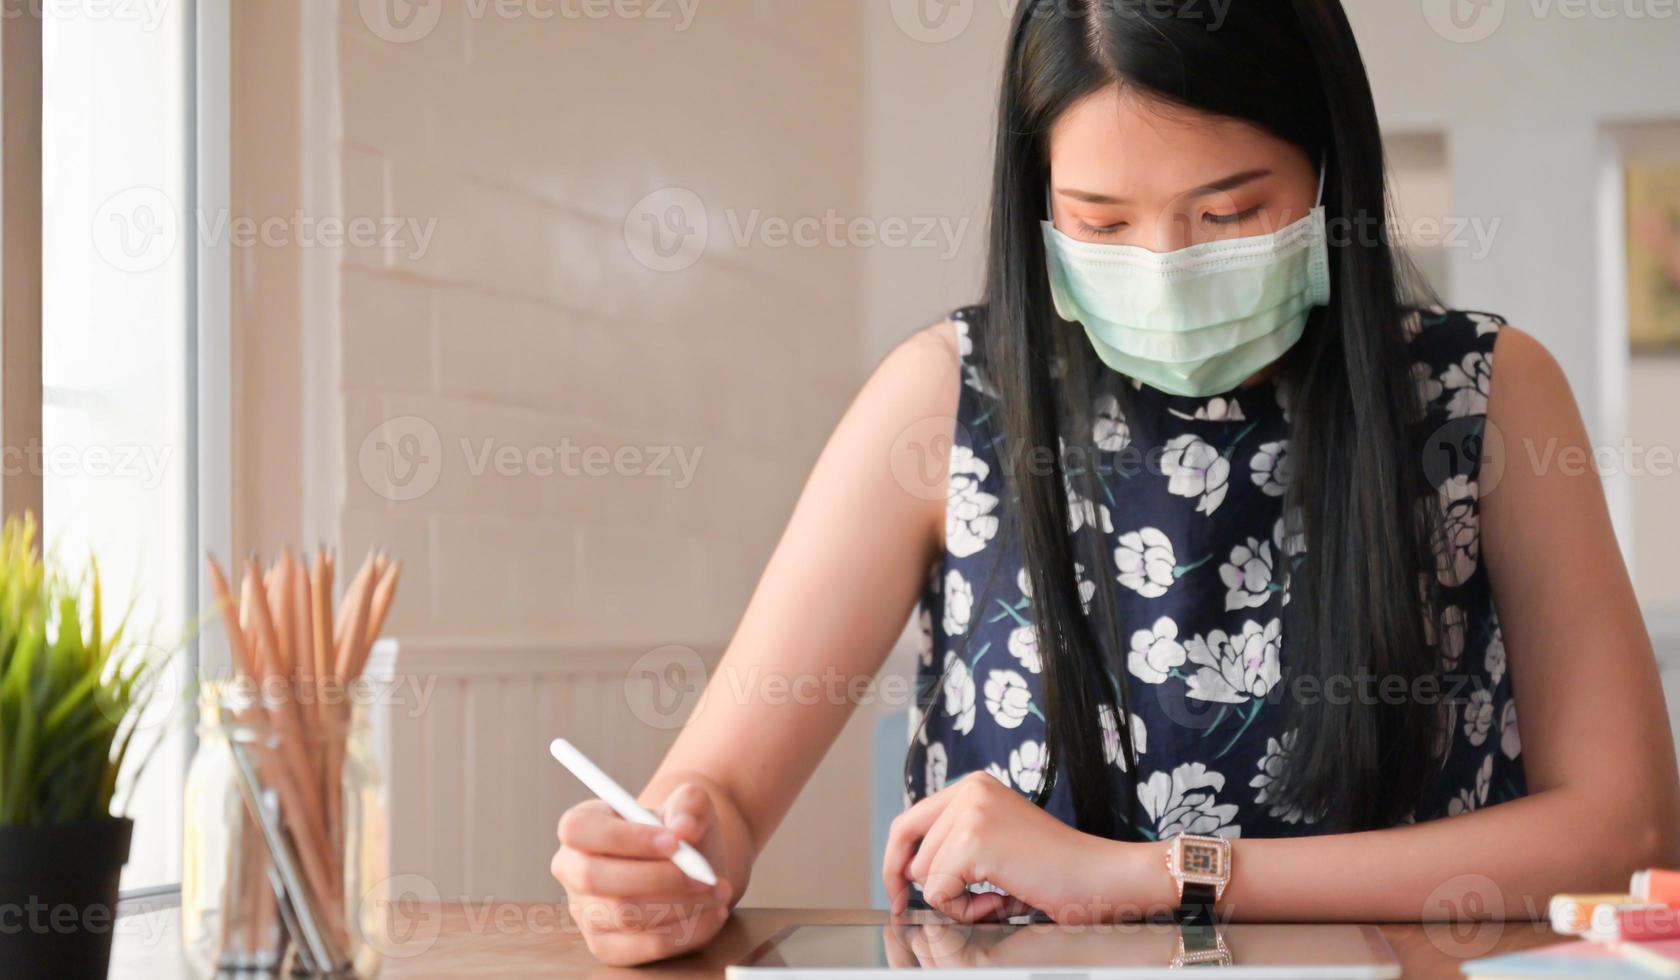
<point>1361,593</point>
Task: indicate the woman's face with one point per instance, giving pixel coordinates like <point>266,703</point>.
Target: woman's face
<point>1126,169</point>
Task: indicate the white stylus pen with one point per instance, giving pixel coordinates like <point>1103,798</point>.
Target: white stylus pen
<point>687,858</point>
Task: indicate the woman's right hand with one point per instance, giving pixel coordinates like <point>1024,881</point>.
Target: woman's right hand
<point>631,903</point>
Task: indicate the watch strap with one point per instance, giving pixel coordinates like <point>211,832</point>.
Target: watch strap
<point>1195,905</point>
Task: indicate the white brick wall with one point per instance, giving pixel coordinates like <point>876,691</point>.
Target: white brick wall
<point>525,144</point>
<point>527,321</point>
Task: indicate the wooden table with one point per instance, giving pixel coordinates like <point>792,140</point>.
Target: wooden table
<point>517,940</point>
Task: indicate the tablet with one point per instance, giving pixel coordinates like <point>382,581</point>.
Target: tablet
<point>1049,951</point>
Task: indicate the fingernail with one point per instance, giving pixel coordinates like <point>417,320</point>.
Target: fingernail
<point>665,841</point>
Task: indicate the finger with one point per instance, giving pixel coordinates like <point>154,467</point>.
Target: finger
<point>899,953</point>
<point>583,811</point>
<point>921,865</point>
<point>908,828</point>
<point>688,811</point>
<point>610,835</point>
<point>984,906</point>
<point>622,878</point>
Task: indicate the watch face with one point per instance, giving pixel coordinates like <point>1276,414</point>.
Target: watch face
<point>1203,859</point>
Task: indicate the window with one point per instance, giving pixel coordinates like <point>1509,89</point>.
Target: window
<point>118,461</point>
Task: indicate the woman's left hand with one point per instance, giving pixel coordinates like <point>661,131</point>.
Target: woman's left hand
<point>979,830</point>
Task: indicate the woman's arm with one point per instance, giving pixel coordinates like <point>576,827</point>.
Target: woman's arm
<point>1597,747</point>
<point>835,595</point>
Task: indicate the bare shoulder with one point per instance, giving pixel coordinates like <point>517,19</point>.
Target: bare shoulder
<point>920,377</point>
<point>1530,394</point>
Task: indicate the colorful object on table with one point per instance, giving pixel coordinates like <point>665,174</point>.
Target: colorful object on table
<point>1581,959</point>
<point>1656,885</point>
<point>1639,923</point>
<point>1660,958</point>
<point>1572,915</point>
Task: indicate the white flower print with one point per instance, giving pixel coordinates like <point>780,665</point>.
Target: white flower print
<point>1470,798</point>
<point>959,694</point>
<point>1146,563</point>
<point>1185,802</point>
<point>1023,646</point>
<point>1289,537</point>
<point>998,773</point>
<point>1485,323</point>
<point>1155,651</point>
<point>1233,669</point>
<point>936,767</point>
<point>1110,431</point>
<point>1468,381</point>
<point>924,637</point>
<point>1087,588</point>
<point>1478,716</point>
<point>1428,388</point>
<point>1271,770</point>
<point>969,521</point>
<point>1111,736</point>
<point>1247,576</point>
<point>1510,742</point>
<point>959,603</point>
<point>1026,766</point>
<point>1082,513</point>
<point>1271,468</point>
<point>1458,547</point>
<point>1195,469</point>
<point>1494,658</point>
<point>1214,410</point>
<point>1007,698</point>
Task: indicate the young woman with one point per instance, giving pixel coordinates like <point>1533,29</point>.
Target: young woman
<point>1236,565</point>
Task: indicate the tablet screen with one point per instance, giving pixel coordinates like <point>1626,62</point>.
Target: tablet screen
<point>1327,950</point>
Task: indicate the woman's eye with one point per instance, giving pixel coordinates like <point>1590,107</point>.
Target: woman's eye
<point>1102,231</point>
<point>1230,219</point>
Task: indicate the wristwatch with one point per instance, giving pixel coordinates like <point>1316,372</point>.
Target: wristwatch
<point>1200,945</point>
<point>1201,868</point>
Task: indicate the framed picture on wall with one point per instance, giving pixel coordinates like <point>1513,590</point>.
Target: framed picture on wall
<point>1653,253</point>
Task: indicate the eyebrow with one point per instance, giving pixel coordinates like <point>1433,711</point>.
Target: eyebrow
<point>1222,184</point>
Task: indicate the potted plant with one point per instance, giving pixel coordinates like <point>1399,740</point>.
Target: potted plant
<point>71,698</point>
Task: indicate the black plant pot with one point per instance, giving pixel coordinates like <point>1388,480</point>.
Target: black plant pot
<point>58,898</point>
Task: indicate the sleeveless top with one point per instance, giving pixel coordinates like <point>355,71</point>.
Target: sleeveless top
<point>1198,538</point>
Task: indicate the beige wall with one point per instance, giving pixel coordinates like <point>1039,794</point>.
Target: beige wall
<point>523,146</point>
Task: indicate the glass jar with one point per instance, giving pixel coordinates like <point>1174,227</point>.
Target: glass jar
<point>314,774</point>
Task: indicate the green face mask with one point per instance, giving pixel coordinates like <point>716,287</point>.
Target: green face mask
<point>1198,321</point>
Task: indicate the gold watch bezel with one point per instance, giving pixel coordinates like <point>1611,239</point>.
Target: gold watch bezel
<point>1175,866</point>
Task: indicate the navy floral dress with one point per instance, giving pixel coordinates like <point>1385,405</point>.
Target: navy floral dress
<point>1199,541</point>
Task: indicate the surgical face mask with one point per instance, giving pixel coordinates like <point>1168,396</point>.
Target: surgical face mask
<point>1198,321</point>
